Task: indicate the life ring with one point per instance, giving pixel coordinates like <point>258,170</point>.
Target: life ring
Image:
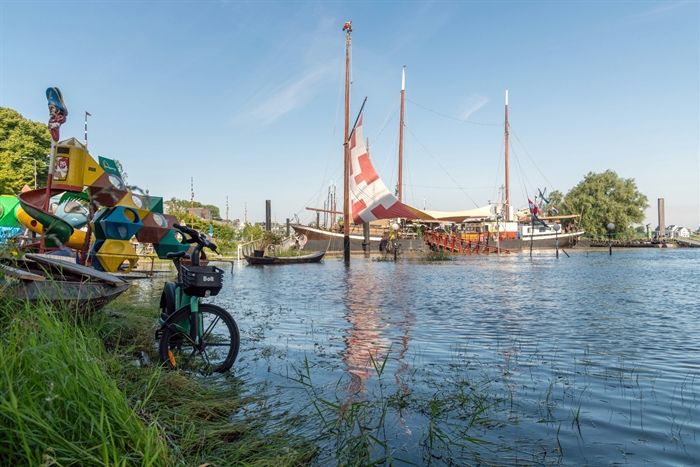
<point>302,240</point>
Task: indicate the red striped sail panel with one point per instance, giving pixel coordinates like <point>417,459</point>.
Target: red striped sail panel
<point>371,200</point>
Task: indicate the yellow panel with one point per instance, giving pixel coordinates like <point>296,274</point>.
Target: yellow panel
<point>69,168</point>
<point>132,200</point>
<point>114,252</point>
<point>77,240</point>
<point>28,221</point>
<point>92,171</point>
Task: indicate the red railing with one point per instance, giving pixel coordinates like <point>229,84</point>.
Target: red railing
<point>456,244</point>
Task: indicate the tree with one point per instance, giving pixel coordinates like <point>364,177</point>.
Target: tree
<point>556,198</point>
<point>22,141</point>
<point>604,198</point>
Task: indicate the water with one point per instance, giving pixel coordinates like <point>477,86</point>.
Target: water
<point>584,360</point>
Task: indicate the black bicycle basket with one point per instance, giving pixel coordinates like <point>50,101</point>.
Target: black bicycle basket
<point>198,280</point>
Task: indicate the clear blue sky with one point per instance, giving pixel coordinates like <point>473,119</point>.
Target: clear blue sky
<point>245,96</point>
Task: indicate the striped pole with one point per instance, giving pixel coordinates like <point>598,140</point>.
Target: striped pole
<point>87,114</point>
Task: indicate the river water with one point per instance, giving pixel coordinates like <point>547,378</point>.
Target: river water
<point>592,359</point>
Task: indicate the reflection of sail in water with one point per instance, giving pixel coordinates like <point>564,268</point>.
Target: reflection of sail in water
<point>372,334</point>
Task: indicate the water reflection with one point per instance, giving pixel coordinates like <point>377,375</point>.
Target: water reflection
<point>375,333</point>
<point>591,358</point>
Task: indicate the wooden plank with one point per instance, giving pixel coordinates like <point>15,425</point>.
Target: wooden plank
<point>24,275</point>
<point>77,269</point>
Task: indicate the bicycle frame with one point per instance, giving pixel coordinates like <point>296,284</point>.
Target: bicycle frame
<point>193,328</point>
<point>182,300</point>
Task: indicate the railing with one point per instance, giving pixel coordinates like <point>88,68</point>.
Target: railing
<point>245,249</point>
<point>455,243</point>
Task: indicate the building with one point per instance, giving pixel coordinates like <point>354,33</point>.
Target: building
<point>202,213</point>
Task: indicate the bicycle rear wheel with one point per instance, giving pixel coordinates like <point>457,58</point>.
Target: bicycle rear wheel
<point>217,350</point>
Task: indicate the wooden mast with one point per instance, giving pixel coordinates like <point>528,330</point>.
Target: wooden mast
<point>346,171</point>
<point>403,87</point>
<point>507,203</point>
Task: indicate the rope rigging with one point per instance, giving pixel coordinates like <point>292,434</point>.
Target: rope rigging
<point>454,118</point>
<point>443,168</point>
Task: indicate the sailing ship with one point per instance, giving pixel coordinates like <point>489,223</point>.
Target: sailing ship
<point>496,224</point>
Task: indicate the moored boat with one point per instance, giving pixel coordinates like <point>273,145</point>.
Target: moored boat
<point>62,283</point>
<point>262,260</point>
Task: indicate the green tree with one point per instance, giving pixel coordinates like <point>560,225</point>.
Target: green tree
<point>556,198</point>
<point>602,198</point>
<point>250,231</point>
<point>22,141</point>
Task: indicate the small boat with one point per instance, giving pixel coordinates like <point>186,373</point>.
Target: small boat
<point>61,282</point>
<point>262,260</point>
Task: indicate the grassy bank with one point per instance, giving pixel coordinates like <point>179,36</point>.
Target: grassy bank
<point>80,391</point>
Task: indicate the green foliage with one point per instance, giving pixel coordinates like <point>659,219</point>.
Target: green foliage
<point>251,232</point>
<point>20,138</point>
<point>603,198</point>
<point>224,235</point>
<point>438,255</point>
<point>58,404</point>
<point>72,393</point>
<point>556,198</point>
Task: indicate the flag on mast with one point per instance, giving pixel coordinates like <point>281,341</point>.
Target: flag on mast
<point>533,207</point>
<point>555,210</point>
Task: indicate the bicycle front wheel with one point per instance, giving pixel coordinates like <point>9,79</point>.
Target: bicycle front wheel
<point>218,346</point>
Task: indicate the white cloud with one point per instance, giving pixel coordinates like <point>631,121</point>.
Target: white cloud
<point>655,13</point>
<point>290,96</point>
<point>472,103</point>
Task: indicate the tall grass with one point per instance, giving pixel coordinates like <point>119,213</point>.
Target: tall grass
<point>57,403</point>
<point>80,390</point>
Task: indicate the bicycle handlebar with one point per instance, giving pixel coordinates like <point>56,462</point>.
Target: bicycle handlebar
<point>195,237</point>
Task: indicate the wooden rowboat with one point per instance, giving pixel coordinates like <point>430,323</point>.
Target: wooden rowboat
<point>262,260</point>
<point>62,283</point>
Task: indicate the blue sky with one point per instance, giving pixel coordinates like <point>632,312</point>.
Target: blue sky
<point>245,97</point>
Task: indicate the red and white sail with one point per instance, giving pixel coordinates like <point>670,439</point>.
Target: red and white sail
<point>371,200</point>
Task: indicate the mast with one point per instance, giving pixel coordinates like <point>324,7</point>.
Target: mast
<point>346,172</point>
<point>403,87</point>
<point>507,203</point>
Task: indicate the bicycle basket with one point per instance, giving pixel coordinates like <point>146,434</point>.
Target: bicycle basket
<point>198,280</point>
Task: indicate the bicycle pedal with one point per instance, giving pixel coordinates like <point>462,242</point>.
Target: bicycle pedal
<point>159,334</point>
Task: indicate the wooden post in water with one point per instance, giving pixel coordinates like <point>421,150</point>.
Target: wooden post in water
<point>365,225</point>
<point>532,231</point>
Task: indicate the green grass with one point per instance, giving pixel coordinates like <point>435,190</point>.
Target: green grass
<point>75,390</point>
<point>58,404</point>
<point>438,255</point>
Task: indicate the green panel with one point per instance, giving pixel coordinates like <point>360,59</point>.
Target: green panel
<point>109,166</point>
<point>155,203</point>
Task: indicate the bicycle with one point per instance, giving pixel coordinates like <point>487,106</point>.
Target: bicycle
<point>195,336</point>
